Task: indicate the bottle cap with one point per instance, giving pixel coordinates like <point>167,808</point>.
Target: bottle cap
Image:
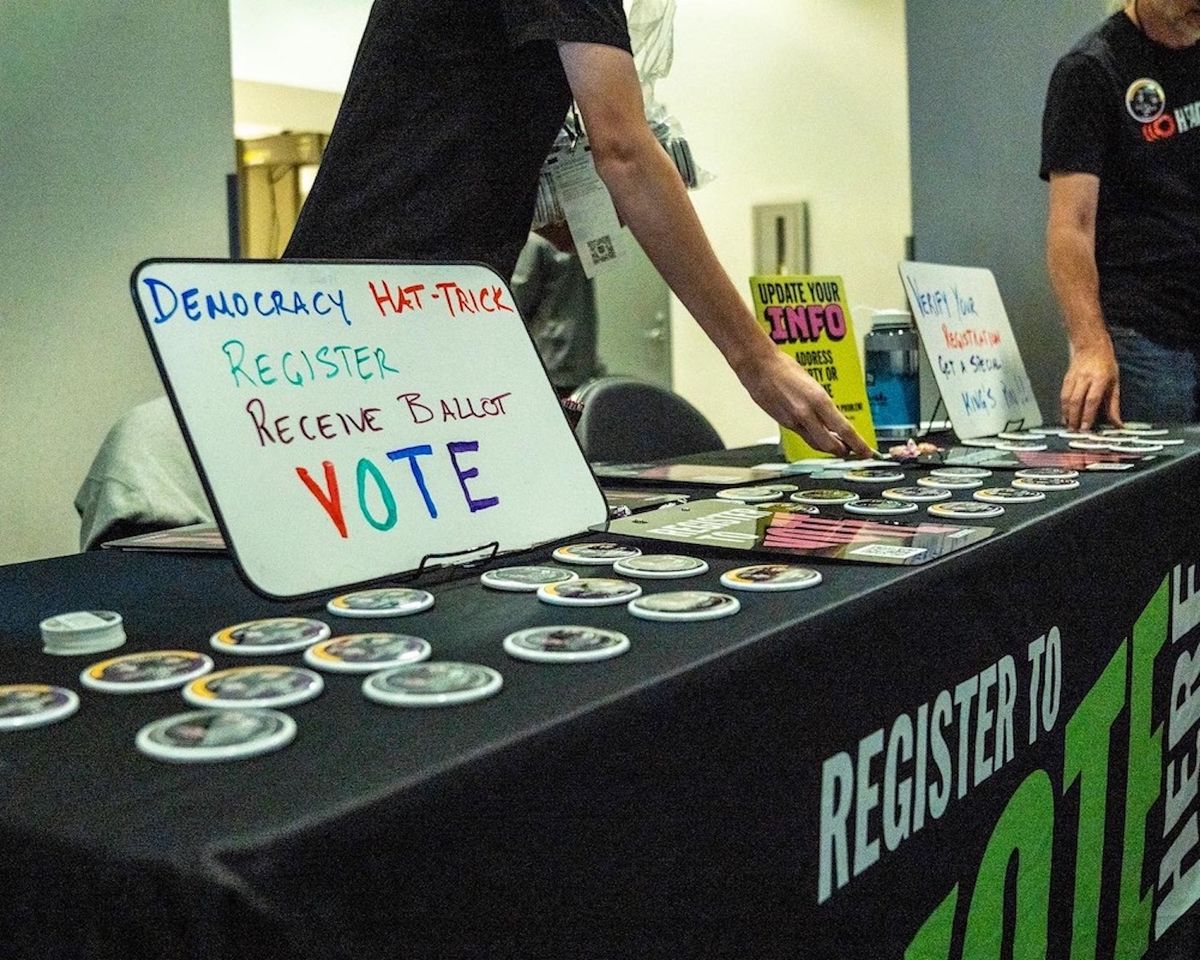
<point>890,319</point>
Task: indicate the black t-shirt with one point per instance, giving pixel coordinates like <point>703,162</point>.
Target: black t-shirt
<point>449,113</point>
<point>1127,109</point>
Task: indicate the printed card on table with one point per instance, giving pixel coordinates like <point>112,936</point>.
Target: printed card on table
<point>809,320</point>
<point>788,529</point>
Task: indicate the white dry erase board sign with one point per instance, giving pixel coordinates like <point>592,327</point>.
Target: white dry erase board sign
<point>970,345</point>
<point>351,420</point>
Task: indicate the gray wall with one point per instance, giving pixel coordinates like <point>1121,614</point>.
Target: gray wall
<point>116,134</point>
<point>977,79</point>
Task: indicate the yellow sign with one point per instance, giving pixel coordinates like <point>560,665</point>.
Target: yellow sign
<point>809,319</point>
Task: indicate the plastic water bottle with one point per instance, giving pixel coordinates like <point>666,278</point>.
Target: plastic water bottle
<point>893,378</point>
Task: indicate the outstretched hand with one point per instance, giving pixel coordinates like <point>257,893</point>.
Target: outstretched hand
<point>1091,383</point>
<point>795,400</point>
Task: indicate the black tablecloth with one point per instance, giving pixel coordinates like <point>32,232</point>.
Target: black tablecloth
<point>665,803</point>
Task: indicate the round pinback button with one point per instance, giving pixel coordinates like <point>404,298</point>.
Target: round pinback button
<point>661,566</point>
<point>1020,436</point>
<point>1021,446</point>
<point>965,510</point>
<point>1158,437</point>
<point>1143,440</point>
<point>873,476</point>
<point>1078,435</point>
<point>753,494</point>
<point>146,672</point>
<point>208,736</point>
<point>684,605</point>
<point>381,602</point>
<point>922,494</point>
<point>594,554</point>
<point>834,474</point>
<point>1132,447</point>
<point>82,632</point>
<point>821,497</point>
<point>436,683</point>
<point>770,577</point>
<point>1088,444</point>
<point>1045,473</point>
<point>260,638</point>
<point>795,509</point>
<point>257,686</point>
<point>1145,429</point>
<point>881,508</point>
<point>367,652</point>
<point>978,442</point>
<point>565,644</point>
<point>949,483</point>
<point>589,592</point>
<point>1045,483</point>
<point>960,473</point>
<point>1008,495</point>
<point>27,705</point>
<point>524,579</point>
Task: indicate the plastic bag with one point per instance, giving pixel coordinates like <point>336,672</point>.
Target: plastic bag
<point>652,37</point>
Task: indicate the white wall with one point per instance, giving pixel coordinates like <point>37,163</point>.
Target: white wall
<point>297,43</point>
<point>792,100</point>
<point>265,109</point>
<point>115,139</point>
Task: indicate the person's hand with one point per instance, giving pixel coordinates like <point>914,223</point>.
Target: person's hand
<point>1091,384</point>
<point>795,400</point>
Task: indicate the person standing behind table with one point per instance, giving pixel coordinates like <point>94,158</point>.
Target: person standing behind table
<point>558,303</point>
<point>1121,150</point>
<point>451,108</point>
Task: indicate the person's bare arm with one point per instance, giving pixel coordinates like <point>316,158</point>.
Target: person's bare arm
<point>1091,382</point>
<point>651,199</point>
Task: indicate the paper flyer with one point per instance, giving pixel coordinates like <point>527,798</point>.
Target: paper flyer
<point>808,318</point>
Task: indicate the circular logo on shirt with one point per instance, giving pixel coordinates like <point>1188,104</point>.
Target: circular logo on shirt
<point>1145,100</point>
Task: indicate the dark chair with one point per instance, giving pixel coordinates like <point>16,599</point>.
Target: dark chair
<point>627,421</point>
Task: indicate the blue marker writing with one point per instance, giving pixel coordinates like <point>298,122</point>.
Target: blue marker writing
<point>470,473</point>
<point>410,454</point>
<point>197,305</point>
